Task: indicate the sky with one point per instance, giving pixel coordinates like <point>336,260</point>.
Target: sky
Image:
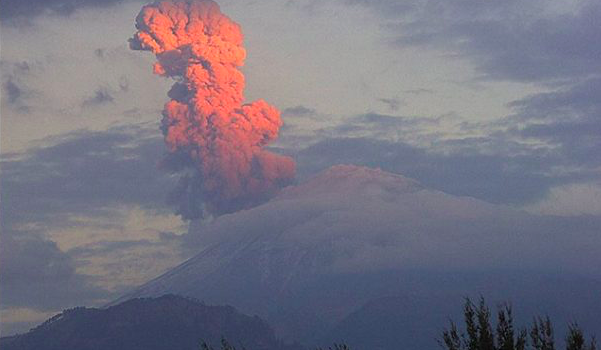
<point>492,100</point>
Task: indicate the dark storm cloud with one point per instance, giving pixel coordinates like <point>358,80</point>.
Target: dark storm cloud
<point>36,274</point>
<point>505,40</point>
<point>83,172</point>
<point>30,8</point>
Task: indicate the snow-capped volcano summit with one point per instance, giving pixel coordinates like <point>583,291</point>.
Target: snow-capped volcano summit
<point>322,249</point>
<point>350,179</point>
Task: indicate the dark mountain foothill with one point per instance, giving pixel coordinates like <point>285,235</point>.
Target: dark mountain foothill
<point>164,323</point>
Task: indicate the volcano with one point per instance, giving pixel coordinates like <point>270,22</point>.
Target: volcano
<point>355,252</point>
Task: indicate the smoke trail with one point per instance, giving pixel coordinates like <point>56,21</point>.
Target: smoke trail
<point>206,126</point>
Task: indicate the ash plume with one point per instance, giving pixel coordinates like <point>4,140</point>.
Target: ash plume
<point>215,140</point>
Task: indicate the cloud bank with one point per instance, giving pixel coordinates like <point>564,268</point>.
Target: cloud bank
<point>76,226</point>
<point>26,9</point>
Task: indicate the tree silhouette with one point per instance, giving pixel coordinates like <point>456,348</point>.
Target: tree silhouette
<point>341,346</point>
<point>541,334</point>
<point>225,345</point>
<point>479,335</point>
<point>575,339</point>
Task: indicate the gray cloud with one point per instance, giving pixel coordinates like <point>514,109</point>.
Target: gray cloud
<point>101,96</point>
<point>16,92</point>
<point>123,83</point>
<point>568,120</point>
<point>104,94</point>
<point>17,67</point>
<point>118,247</point>
<point>84,172</point>
<point>91,175</point>
<point>36,274</point>
<point>385,121</point>
<point>551,139</point>
<point>499,178</point>
<point>419,91</point>
<point>374,126</point>
<point>507,40</point>
<point>127,263</point>
<point>299,111</point>
<point>579,100</point>
<point>13,91</point>
<point>30,8</point>
<point>393,104</point>
<point>100,53</point>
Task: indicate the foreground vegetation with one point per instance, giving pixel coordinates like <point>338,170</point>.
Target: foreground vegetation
<point>479,333</point>
<point>225,345</point>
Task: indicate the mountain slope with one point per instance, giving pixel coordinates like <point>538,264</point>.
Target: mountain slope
<point>321,250</point>
<point>416,320</point>
<point>168,322</point>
